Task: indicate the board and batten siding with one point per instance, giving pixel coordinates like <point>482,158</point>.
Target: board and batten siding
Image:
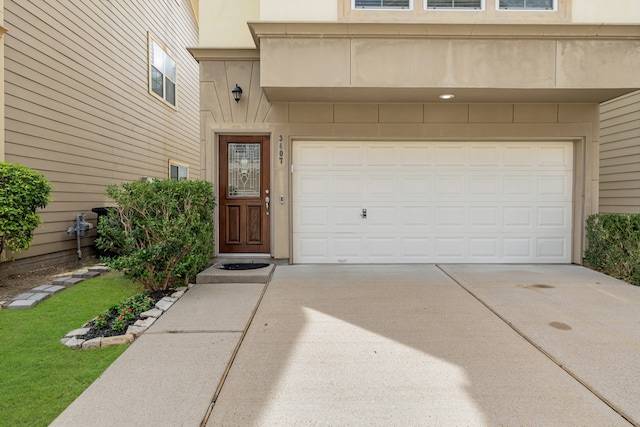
<point>78,107</point>
<point>620,155</point>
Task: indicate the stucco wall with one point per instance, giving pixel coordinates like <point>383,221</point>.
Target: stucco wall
<point>289,121</point>
<point>223,23</point>
<point>606,12</point>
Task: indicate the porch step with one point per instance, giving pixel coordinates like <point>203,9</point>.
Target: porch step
<point>217,275</point>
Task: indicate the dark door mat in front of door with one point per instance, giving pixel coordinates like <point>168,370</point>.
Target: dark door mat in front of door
<point>241,266</point>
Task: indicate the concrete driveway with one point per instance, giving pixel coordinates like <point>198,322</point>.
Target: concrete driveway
<point>438,345</point>
<point>388,345</point>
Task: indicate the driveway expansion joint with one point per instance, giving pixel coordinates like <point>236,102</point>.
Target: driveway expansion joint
<point>461,283</point>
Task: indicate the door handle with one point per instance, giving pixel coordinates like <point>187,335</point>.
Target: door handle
<point>266,200</point>
<point>364,213</point>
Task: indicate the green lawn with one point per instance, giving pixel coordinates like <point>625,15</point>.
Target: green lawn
<point>39,377</point>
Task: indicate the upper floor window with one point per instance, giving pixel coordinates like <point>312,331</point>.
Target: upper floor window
<point>162,72</point>
<point>382,4</point>
<point>527,4</point>
<point>453,4</point>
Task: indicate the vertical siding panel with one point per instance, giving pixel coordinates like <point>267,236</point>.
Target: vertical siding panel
<point>619,154</point>
<point>78,107</point>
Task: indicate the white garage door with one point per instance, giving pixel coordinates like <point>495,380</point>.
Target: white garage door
<point>407,202</point>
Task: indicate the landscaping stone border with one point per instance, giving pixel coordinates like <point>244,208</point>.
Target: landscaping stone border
<point>72,341</point>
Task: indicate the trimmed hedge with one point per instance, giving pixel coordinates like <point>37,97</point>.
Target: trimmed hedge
<point>614,245</point>
<point>161,232</point>
<point>22,192</point>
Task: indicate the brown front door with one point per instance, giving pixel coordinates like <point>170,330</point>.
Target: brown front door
<point>244,199</point>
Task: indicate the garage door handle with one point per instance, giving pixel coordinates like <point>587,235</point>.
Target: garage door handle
<point>364,213</point>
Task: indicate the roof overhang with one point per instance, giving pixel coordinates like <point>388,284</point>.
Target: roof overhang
<point>353,62</point>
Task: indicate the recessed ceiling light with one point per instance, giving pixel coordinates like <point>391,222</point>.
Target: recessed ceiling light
<point>447,96</point>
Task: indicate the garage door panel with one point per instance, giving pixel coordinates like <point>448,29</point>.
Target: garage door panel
<point>450,186</point>
<point>381,187</point>
<point>313,248</point>
<point>413,155</point>
<point>433,202</point>
<point>382,155</point>
<point>485,155</point>
<point>518,155</point>
<point>312,155</point>
<point>485,187</point>
<point>450,249</point>
<point>555,155</point>
<point>552,248</point>
<point>485,217</point>
<point>416,186</point>
<point>415,218</point>
<point>416,249</point>
<point>347,218</point>
<point>484,249</point>
<point>517,248</point>
<point>517,218</point>
<point>348,247</point>
<point>553,217</point>
<point>312,187</point>
<point>382,249</point>
<point>347,187</point>
<point>348,155</point>
<point>313,218</point>
<point>554,187</point>
<point>452,217</point>
<point>451,155</point>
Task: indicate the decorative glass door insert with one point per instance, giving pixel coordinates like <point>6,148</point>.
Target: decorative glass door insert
<point>244,170</point>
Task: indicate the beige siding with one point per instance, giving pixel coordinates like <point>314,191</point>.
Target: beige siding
<point>78,107</point>
<point>620,155</point>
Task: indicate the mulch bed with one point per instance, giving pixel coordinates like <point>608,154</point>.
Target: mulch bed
<point>108,332</point>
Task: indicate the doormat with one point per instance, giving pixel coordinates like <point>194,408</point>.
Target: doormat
<point>241,266</point>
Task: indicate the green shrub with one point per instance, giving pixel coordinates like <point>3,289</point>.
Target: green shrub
<point>22,191</point>
<point>161,232</point>
<point>613,245</point>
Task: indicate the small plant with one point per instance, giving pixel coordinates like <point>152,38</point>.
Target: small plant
<point>127,314</point>
<point>119,324</point>
<point>101,321</point>
<point>22,192</point>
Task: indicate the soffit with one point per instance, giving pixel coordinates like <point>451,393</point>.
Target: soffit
<point>431,95</point>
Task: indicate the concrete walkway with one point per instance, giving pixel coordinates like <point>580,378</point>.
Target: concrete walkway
<point>384,345</point>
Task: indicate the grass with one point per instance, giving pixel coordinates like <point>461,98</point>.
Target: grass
<point>39,377</point>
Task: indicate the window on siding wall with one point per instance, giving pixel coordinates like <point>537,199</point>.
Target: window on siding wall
<point>382,4</point>
<point>178,171</point>
<point>527,4</point>
<point>453,4</point>
<point>162,72</point>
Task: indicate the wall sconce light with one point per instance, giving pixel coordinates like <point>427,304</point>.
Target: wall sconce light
<point>237,92</point>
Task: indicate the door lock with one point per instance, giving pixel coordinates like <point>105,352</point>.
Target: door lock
<point>364,213</point>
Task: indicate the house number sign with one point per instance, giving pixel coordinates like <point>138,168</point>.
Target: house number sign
<point>281,150</point>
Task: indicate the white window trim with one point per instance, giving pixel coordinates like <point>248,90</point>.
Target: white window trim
<point>452,9</point>
<point>353,7</point>
<point>153,39</point>
<point>554,9</point>
<point>179,165</point>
